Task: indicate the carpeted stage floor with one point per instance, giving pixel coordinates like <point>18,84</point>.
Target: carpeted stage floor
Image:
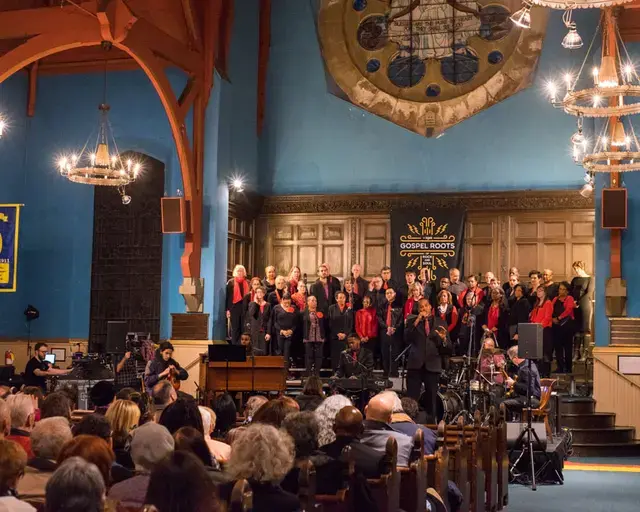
<point>607,485</point>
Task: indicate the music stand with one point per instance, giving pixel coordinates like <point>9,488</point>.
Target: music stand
<point>227,354</point>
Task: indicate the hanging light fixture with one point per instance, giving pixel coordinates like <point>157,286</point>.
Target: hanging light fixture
<point>587,188</point>
<point>607,74</point>
<point>619,138</point>
<point>572,41</point>
<point>100,163</point>
<point>3,125</point>
<point>522,17</point>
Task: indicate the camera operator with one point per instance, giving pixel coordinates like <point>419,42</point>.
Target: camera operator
<point>127,372</point>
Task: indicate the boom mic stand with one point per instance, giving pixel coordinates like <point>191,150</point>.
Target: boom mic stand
<point>403,372</point>
<point>466,412</point>
<point>528,446</point>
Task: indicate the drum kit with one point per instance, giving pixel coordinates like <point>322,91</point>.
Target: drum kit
<point>464,388</point>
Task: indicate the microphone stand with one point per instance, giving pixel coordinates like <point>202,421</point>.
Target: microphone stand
<point>363,378</point>
<point>403,374</point>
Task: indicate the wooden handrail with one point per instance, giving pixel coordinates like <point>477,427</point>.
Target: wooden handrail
<point>607,365</point>
<point>192,364</point>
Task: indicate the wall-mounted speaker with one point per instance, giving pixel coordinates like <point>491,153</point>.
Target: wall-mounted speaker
<point>614,208</point>
<point>116,337</point>
<point>174,215</point>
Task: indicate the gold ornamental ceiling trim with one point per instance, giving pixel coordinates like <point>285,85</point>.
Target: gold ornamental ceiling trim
<point>421,114</point>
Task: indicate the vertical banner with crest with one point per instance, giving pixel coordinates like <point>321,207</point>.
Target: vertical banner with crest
<point>9,226</point>
<point>431,240</point>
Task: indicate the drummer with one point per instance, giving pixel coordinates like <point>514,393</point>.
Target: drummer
<point>491,357</point>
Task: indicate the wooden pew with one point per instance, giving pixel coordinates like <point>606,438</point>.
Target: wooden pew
<point>386,489</point>
<point>342,501</point>
<point>307,486</point>
<point>475,471</point>
<point>459,460</point>
<point>241,499</point>
<point>502,459</point>
<point>487,443</point>
<point>438,472</point>
<point>413,480</point>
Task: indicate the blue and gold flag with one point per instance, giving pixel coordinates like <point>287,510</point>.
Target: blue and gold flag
<point>9,226</point>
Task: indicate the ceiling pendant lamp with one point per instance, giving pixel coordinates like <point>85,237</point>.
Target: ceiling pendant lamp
<point>607,74</point>
<point>522,17</point>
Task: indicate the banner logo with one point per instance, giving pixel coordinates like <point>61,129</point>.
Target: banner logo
<point>9,225</point>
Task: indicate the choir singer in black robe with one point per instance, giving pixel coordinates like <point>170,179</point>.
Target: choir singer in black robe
<point>340,326</point>
<point>356,361</point>
<point>430,342</point>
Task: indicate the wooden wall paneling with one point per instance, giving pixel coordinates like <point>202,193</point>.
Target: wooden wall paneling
<point>375,244</point>
<point>481,250</point>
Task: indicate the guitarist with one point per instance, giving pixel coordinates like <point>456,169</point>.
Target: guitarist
<point>163,366</point>
<point>526,377</point>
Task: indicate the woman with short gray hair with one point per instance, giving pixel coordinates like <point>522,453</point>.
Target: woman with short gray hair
<point>76,486</point>
<point>326,415</point>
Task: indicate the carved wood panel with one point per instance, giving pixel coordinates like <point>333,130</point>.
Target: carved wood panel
<point>126,271</point>
<point>494,239</point>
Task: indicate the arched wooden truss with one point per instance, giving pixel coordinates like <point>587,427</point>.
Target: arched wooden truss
<point>50,30</point>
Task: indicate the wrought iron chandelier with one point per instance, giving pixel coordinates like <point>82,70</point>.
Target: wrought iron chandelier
<point>100,163</point>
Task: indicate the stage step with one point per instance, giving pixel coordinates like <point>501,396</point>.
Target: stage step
<point>591,420</point>
<point>577,405</point>
<point>603,436</point>
<point>607,450</point>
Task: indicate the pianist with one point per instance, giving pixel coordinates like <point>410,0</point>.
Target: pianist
<point>37,369</point>
<point>356,361</point>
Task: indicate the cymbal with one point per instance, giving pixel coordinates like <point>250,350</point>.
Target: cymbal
<point>493,351</point>
<point>456,359</point>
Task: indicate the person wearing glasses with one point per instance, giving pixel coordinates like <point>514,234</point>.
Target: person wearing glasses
<point>38,369</point>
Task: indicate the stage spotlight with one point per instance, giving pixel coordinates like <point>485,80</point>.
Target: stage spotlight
<point>237,184</point>
<point>31,313</point>
<point>126,199</point>
<point>586,190</point>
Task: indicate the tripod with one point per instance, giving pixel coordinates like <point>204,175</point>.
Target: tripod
<point>527,449</point>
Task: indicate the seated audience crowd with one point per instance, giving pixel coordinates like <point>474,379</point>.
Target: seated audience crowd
<point>176,456</point>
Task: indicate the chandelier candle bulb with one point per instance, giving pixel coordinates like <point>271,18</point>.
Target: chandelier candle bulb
<point>607,76</point>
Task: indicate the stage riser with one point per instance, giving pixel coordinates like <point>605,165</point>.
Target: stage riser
<point>603,420</point>
<point>603,436</point>
<point>607,450</point>
<point>577,406</point>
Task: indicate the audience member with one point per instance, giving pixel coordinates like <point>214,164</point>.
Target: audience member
<point>274,412</point>
<point>23,419</point>
<point>348,429</point>
<point>403,422</point>
<point>76,486</point>
<point>47,439</point>
<point>312,394</point>
<point>377,428</point>
<point>163,394</point>
<point>253,404</point>
<point>13,460</point>
<point>125,394</point>
<point>326,414</point>
<point>150,444</point>
<point>123,416</point>
<point>303,429</point>
<point>145,404</point>
<point>5,391</point>
<point>180,483</point>
<point>226,415</point>
<point>263,455</point>
<point>5,419</point>
<point>56,404</point>
<point>181,413</point>
<point>71,392</point>
<point>219,450</point>
<point>101,395</point>
<point>93,450</point>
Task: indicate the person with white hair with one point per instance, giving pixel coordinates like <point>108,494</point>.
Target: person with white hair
<point>23,414</point>
<point>76,486</point>
<point>47,439</point>
<point>263,455</point>
<point>221,451</point>
<point>237,288</point>
<point>5,419</point>
<point>150,444</point>
<point>326,415</point>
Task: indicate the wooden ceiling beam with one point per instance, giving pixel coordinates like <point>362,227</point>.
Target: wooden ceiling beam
<point>30,22</point>
<point>193,27</point>
<point>32,91</point>
<point>629,23</point>
<point>115,18</point>
<point>187,97</point>
<point>165,46</point>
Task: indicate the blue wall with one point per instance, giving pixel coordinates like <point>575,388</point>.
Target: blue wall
<point>57,222</point>
<point>315,142</point>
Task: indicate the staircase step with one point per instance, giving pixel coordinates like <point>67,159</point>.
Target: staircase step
<point>591,420</point>
<point>577,405</point>
<point>613,435</point>
<point>606,450</point>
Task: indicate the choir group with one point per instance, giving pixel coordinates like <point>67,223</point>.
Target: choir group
<point>279,315</point>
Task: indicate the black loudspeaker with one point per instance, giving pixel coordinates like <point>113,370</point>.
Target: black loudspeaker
<point>116,337</point>
<point>174,215</point>
<point>515,428</point>
<point>614,208</point>
<point>530,341</point>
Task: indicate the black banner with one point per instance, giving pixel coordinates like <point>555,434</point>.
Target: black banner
<point>431,239</point>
